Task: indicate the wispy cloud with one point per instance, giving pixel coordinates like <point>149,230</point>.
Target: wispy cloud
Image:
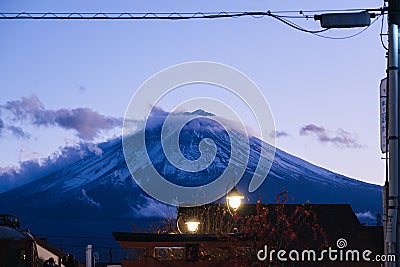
<point>81,88</point>
<point>18,132</point>
<point>14,130</point>
<point>279,134</point>
<point>2,126</point>
<point>339,138</point>
<point>158,116</point>
<point>84,121</point>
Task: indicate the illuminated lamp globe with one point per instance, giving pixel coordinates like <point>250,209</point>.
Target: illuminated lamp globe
<point>234,199</point>
<point>192,225</point>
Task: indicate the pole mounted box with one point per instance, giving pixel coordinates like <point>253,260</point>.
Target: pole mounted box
<point>344,20</point>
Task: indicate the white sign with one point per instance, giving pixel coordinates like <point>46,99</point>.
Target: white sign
<point>383,104</point>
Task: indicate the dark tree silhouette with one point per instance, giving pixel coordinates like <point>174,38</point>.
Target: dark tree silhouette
<point>278,226</point>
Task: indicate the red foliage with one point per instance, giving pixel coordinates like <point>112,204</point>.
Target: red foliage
<point>279,227</point>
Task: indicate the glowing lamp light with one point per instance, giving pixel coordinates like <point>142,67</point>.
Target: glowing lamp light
<point>192,225</point>
<point>234,199</point>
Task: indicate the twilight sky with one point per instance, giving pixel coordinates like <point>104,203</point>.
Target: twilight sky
<point>66,82</point>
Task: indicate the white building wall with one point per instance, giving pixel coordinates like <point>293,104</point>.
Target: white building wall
<point>44,254</point>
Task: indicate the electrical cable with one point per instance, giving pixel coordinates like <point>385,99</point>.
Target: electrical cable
<point>331,10</point>
<point>130,16</point>
<point>78,237</point>
<point>166,15</point>
<point>186,16</point>
<point>381,34</point>
<point>295,26</point>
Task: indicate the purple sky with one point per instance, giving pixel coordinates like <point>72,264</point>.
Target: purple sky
<point>66,82</point>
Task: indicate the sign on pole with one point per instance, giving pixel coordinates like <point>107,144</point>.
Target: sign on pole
<point>383,103</point>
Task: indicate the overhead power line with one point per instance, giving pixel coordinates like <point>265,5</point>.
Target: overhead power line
<point>278,15</point>
<point>131,15</point>
<point>160,15</point>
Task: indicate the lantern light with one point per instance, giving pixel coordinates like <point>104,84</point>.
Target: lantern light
<point>234,198</point>
<point>192,225</point>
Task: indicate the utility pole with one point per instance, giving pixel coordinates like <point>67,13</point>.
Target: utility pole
<point>392,230</point>
<point>392,188</point>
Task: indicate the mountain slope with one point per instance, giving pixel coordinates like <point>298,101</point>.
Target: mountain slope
<point>101,185</point>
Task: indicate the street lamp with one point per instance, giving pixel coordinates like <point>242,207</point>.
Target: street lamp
<point>187,224</point>
<point>234,198</point>
<point>192,225</point>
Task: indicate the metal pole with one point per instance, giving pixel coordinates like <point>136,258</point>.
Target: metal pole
<point>89,256</point>
<point>385,196</point>
<point>392,227</point>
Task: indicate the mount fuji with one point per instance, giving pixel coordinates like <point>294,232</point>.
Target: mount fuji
<point>96,194</point>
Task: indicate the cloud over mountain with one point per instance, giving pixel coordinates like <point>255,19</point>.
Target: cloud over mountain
<point>31,170</point>
<point>86,122</point>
